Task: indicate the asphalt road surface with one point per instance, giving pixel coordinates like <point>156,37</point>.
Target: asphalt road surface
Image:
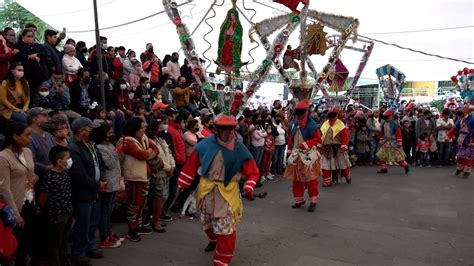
<point>423,218</point>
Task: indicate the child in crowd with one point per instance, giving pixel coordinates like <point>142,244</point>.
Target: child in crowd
<point>55,203</point>
<point>268,149</point>
<point>363,140</point>
<point>423,147</point>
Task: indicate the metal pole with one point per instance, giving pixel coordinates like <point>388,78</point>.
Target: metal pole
<point>98,50</point>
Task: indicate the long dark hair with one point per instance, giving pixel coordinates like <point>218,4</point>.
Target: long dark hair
<point>132,126</point>
<point>99,135</point>
<point>11,79</point>
<point>14,128</point>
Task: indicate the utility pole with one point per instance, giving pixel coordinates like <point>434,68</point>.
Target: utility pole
<point>98,50</point>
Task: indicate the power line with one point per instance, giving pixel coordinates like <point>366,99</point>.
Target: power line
<point>398,46</point>
<point>422,30</point>
<point>416,51</point>
<point>130,22</point>
<point>74,11</point>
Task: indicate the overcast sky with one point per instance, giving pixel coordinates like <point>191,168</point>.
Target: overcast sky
<point>375,17</point>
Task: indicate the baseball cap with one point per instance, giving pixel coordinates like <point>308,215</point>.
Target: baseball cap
<point>205,111</point>
<point>83,122</point>
<point>33,112</point>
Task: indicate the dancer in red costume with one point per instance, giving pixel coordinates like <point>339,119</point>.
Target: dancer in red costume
<point>464,129</point>
<point>221,161</point>
<point>303,161</point>
<point>391,149</point>
<point>334,148</point>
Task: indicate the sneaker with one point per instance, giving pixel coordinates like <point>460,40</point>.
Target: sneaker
<point>270,175</point>
<point>116,238</point>
<point>166,218</point>
<point>146,221</point>
<point>109,243</point>
<point>133,236</point>
<point>263,179</point>
<point>270,178</point>
<point>144,231</point>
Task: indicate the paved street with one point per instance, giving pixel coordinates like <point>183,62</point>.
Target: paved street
<point>424,218</point>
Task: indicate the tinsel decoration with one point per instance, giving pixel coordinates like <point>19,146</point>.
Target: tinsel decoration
<point>365,58</point>
<point>187,44</point>
<point>177,21</point>
<point>184,37</point>
<point>214,96</point>
<point>295,18</point>
<point>392,87</point>
<point>465,81</point>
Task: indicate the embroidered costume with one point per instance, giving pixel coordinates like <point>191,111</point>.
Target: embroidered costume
<point>391,148</point>
<point>464,129</point>
<point>303,166</point>
<point>334,148</point>
<point>221,166</point>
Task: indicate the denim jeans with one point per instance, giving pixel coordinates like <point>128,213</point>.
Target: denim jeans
<point>444,151</point>
<point>106,207</point>
<point>19,117</point>
<point>257,153</point>
<point>277,160</point>
<point>86,215</point>
<point>424,158</point>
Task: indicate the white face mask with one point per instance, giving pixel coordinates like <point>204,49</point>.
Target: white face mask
<point>165,128</point>
<point>69,163</point>
<point>44,93</point>
<point>123,86</point>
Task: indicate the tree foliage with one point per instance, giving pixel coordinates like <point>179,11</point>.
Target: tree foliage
<point>16,16</point>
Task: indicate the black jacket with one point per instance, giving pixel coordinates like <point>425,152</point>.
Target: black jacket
<point>84,186</point>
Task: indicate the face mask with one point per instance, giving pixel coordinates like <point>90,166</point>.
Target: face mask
<point>123,86</point>
<point>11,39</point>
<point>278,121</point>
<point>69,163</point>
<point>165,128</point>
<point>44,93</point>
<point>18,74</point>
<point>150,49</point>
<point>211,127</point>
<point>87,80</point>
<point>84,50</point>
<point>196,130</point>
<point>147,86</point>
<point>104,46</point>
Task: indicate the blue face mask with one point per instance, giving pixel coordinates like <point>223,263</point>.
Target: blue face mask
<point>147,86</point>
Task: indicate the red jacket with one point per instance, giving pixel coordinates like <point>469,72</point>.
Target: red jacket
<point>178,143</point>
<point>117,67</point>
<point>5,56</point>
<point>153,69</point>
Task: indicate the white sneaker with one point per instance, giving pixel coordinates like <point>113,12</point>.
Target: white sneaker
<point>270,178</point>
<point>270,175</point>
<point>263,179</point>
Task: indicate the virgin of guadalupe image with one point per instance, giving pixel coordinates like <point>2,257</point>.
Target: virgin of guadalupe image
<point>230,44</point>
